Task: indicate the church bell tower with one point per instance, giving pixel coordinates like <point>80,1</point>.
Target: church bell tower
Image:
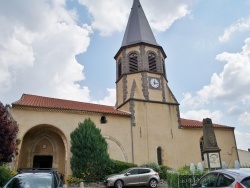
<point>140,63</point>
<point>141,81</point>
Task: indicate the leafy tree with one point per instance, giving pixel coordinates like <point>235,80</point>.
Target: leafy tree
<point>89,159</point>
<point>8,135</point>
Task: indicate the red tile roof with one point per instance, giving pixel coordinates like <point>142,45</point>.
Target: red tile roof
<point>62,104</point>
<point>46,102</point>
<point>187,123</point>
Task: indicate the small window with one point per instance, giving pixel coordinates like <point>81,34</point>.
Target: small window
<point>159,155</point>
<point>119,68</point>
<point>152,62</point>
<point>133,62</point>
<point>103,120</point>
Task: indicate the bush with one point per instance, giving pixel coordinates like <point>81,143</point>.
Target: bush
<point>183,177</point>
<point>89,152</point>
<point>74,180</point>
<point>90,160</point>
<point>162,170</point>
<point>5,175</point>
<point>118,166</point>
<point>112,167</point>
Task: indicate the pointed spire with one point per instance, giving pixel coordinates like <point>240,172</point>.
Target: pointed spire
<point>138,29</point>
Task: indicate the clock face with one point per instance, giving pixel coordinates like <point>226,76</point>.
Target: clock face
<point>154,83</point>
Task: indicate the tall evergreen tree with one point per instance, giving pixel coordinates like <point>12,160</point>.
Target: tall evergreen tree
<point>8,135</point>
<point>89,152</point>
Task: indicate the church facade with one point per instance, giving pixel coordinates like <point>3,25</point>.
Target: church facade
<point>144,126</point>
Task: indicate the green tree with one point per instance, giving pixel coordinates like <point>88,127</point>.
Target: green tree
<point>90,159</point>
<point>8,135</point>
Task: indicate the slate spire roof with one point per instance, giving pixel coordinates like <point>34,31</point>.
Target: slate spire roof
<point>138,29</point>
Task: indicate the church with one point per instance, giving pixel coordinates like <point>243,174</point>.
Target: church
<point>144,126</point>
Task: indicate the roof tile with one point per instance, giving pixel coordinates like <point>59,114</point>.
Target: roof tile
<point>46,102</point>
<point>187,123</point>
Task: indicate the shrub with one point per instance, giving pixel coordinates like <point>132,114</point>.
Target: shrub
<point>89,152</point>
<point>74,180</point>
<point>5,175</point>
<point>183,177</point>
<point>118,166</point>
<point>162,170</point>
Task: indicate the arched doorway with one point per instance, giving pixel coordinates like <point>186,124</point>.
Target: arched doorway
<point>42,161</point>
<point>43,146</point>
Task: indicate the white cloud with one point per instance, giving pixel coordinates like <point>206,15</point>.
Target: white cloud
<point>244,119</point>
<point>228,92</point>
<point>235,78</point>
<point>108,16</point>
<point>242,25</point>
<point>110,99</point>
<point>111,16</point>
<point>38,46</point>
<point>159,18</point>
<point>231,85</point>
<point>242,140</point>
<point>199,115</point>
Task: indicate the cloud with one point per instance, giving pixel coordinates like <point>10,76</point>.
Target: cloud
<point>38,46</point>
<point>235,78</point>
<point>242,25</point>
<point>228,92</point>
<point>159,18</point>
<point>109,100</point>
<point>244,118</point>
<point>112,16</point>
<point>242,140</point>
<point>199,115</point>
<point>231,85</point>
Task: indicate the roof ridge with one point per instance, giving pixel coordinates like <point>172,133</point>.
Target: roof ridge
<point>68,100</point>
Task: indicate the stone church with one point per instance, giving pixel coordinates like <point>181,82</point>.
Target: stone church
<point>144,126</point>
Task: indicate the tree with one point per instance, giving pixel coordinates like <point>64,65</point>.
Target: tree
<point>89,152</point>
<point>8,135</point>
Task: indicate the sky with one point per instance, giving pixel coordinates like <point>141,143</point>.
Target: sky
<point>65,49</point>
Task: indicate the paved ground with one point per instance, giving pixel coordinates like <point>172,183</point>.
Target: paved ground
<point>100,185</point>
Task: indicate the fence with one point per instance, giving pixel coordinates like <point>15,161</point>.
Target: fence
<point>182,181</point>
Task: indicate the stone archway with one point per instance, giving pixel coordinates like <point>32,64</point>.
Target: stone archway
<point>44,146</point>
<point>115,149</point>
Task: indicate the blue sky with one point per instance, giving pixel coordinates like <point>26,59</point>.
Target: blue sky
<point>65,49</point>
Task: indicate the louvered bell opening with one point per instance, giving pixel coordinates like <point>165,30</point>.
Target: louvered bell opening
<point>133,63</point>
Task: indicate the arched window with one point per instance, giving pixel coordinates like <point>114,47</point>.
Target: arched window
<point>159,156</point>
<point>201,147</point>
<point>119,68</point>
<point>152,62</point>
<point>133,62</point>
